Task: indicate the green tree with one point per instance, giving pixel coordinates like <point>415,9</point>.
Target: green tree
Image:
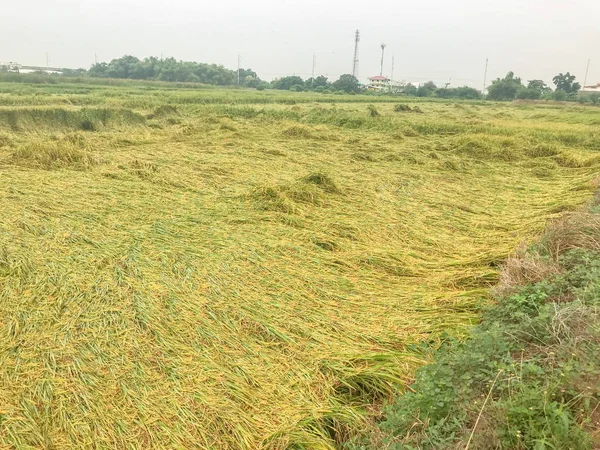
<point>123,67</point>
<point>73,72</point>
<point>410,89</point>
<point>247,73</point>
<point>251,82</point>
<point>286,83</point>
<point>535,90</point>
<point>528,93</point>
<point>317,84</point>
<point>426,89</point>
<point>505,88</point>
<point>559,95</point>
<point>168,69</point>
<point>322,81</point>
<point>466,93</point>
<point>347,83</point>
<point>249,78</point>
<point>594,98</point>
<point>538,85</point>
<point>566,83</point>
<point>98,70</point>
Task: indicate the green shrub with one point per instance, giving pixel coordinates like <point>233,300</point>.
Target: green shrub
<point>559,96</point>
<point>522,369</point>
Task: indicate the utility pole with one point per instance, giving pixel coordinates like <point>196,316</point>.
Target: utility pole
<point>587,69</point>
<point>313,70</point>
<point>355,61</point>
<point>238,71</point>
<point>95,58</point>
<point>47,62</point>
<point>382,53</point>
<point>485,77</point>
<point>392,75</point>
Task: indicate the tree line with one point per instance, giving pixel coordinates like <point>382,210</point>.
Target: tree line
<point>169,69</point>
<point>511,88</point>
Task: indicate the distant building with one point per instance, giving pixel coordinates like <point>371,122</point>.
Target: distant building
<point>10,67</point>
<point>378,83</point>
<point>593,88</point>
<point>41,70</point>
<point>18,68</point>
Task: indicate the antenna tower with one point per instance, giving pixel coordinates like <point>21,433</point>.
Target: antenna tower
<point>355,62</point>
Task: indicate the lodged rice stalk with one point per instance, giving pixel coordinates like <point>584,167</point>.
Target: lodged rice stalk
<point>214,269</point>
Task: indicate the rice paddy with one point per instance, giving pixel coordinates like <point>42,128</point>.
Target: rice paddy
<point>223,269</point>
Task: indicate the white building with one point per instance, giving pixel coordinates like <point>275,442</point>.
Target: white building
<point>378,83</point>
<point>18,68</point>
<point>51,72</point>
<point>593,88</point>
<point>10,67</point>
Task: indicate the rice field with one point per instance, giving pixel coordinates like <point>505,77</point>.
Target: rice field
<point>221,269</point>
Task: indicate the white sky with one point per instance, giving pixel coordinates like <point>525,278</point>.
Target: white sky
<point>433,39</point>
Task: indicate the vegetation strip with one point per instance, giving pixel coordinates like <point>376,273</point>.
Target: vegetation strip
<point>529,375</point>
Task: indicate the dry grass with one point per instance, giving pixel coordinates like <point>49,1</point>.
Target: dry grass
<point>521,269</point>
<point>235,277</point>
<point>575,230</point>
<point>579,229</point>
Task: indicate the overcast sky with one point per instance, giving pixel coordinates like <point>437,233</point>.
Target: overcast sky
<point>432,39</point>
